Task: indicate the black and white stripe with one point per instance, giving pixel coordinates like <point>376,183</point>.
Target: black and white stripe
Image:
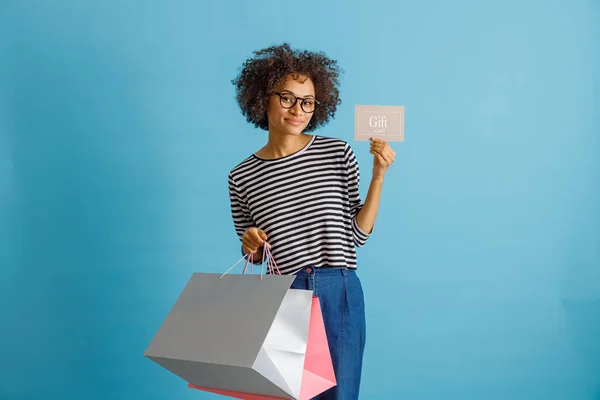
<point>306,203</point>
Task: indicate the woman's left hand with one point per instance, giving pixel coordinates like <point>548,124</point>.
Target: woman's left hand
<point>384,157</point>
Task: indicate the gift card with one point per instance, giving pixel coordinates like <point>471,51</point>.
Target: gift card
<point>383,122</point>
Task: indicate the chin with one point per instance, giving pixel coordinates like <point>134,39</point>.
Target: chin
<point>294,131</point>
<point>287,129</point>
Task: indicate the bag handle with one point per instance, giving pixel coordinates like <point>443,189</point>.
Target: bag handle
<point>272,260</point>
<point>271,264</point>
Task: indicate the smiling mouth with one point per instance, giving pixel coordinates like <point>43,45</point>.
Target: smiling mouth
<point>293,121</point>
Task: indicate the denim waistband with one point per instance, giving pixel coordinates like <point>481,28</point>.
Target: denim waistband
<point>310,270</point>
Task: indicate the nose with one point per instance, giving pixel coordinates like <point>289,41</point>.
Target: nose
<point>297,109</point>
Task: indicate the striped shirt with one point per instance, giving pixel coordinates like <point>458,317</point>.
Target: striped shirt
<point>306,203</point>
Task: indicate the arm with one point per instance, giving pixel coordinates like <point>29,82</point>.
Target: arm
<point>242,219</point>
<point>383,157</point>
<point>353,177</point>
<point>368,214</point>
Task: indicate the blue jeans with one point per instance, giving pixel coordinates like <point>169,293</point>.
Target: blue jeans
<point>342,303</point>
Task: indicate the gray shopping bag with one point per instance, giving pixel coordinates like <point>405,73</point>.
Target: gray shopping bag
<point>240,333</point>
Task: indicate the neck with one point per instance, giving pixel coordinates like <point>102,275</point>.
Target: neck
<point>283,145</point>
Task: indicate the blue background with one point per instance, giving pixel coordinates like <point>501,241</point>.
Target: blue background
<point>118,128</point>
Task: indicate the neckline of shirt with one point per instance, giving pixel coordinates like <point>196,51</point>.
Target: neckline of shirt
<point>289,156</point>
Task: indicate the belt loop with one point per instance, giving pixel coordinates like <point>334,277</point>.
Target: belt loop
<point>344,272</point>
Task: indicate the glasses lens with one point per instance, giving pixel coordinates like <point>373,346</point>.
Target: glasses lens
<point>308,105</point>
<point>287,100</point>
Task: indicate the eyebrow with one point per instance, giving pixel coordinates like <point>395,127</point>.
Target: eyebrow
<point>289,91</point>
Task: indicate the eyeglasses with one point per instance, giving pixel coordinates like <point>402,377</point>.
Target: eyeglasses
<point>288,100</point>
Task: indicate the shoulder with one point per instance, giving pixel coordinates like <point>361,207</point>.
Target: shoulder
<point>337,149</point>
<point>338,145</point>
<point>241,169</point>
<point>333,144</point>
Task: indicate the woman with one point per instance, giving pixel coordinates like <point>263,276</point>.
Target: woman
<point>299,194</point>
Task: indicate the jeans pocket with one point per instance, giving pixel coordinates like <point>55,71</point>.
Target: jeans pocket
<point>299,283</point>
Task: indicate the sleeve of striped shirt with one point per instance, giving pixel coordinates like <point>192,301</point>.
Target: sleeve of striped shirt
<point>360,236</point>
<point>240,212</point>
<point>239,209</point>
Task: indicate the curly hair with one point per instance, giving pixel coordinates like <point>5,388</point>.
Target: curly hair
<point>260,75</point>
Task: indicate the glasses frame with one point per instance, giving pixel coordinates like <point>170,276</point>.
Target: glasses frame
<point>317,102</point>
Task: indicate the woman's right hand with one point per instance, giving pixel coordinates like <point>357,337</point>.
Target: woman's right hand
<point>253,239</point>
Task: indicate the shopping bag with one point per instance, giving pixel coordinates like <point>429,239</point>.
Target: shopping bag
<point>246,336</point>
<point>318,375</point>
